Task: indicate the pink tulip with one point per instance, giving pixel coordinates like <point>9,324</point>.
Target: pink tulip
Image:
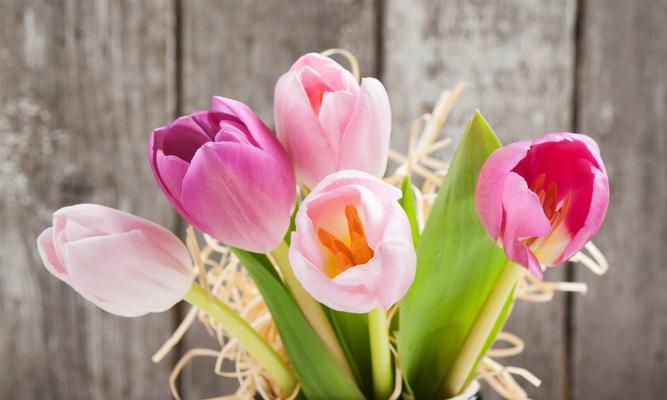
<point>225,173</point>
<point>328,122</point>
<point>542,200</point>
<point>352,249</point>
<point>122,263</point>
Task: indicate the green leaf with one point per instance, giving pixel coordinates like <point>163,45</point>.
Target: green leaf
<point>315,368</point>
<point>352,332</point>
<point>292,222</point>
<point>457,265</point>
<point>408,204</point>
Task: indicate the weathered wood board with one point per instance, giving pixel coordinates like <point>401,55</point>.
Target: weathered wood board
<point>81,85</point>
<point>620,327</point>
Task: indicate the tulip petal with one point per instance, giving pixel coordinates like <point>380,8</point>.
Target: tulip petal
<point>524,219</point>
<point>184,136</point>
<point>491,181</point>
<point>337,108</point>
<point>222,172</point>
<point>369,127</point>
<point>314,86</point>
<point>350,298</point>
<point>75,222</point>
<point>170,172</point>
<point>47,252</point>
<point>300,132</point>
<point>130,272</point>
<point>352,177</point>
<point>337,77</point>
<point>259,134</point>
<point>597,195</point>
<point>326,210</point>
<point>398,258</point>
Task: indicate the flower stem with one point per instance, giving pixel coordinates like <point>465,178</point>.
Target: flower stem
<point>312,310</point>
<point>487,319</point>
<point>253,342</point>
<point>380,354</point>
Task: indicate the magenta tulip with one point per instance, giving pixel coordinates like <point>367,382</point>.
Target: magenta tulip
<point>542,200</point>
<point>225,173</point>
<point>328,122</point>
<point>352,249</point>
<point>122,263</point>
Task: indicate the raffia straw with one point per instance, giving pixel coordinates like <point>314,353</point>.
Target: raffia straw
<point>596,262</point>
<point>354,64</point>
<point>176,336</point>
<point>220,272</point>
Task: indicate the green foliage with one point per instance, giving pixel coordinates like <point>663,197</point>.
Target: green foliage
<point>315,368</point>
<point>352,332</point>
<point>408,204</point>
<point>457,265</point>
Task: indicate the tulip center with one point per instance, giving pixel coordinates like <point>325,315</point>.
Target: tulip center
<point>555,210</point>
<point>346,254</point>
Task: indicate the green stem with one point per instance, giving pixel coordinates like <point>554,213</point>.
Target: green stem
<point>252,341</point>
<point>473,345</point>
<point>312,310</point>
<point>383,375</point>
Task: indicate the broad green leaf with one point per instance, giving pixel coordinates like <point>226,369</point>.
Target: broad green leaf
<point>408,204</point>
<point>457,264</point>
<point>352,332</point>
<point>315,368</point>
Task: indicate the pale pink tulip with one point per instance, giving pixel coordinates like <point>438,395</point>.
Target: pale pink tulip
<point>328,122</point>
<point>352,249</point>
<point>543,199</point>
<point>227,174</point>
<point>122,263</point>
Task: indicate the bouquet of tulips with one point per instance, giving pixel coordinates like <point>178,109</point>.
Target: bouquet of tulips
<point>374,290</point>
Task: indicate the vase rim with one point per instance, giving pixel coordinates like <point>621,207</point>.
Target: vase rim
<point>471,390</point>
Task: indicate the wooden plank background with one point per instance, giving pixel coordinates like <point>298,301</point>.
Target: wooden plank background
<point>82,83</point>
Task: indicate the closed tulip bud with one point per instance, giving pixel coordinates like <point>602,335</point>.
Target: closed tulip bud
<point>122,263</point>
<point>328,122</point>
<point>225,173</point>
<point>352,249</point>
<point>542,200</point>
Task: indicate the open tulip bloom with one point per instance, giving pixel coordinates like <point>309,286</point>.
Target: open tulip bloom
<point>337,258</point>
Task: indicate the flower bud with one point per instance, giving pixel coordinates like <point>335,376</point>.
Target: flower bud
<point>352,249</point>
<point>225,173</point>
<point>123,264</point>
<point>328,122</point>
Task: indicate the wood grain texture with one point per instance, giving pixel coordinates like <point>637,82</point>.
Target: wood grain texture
<point>239,49</point>
<point>621,325</point>
<point>82,84</point>
<point>518,58</point>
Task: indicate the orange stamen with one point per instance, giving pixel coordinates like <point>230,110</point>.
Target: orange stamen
<point>341,252</point>
<point>357,253</point>
<point>358,243</point>
<point>549,200</point>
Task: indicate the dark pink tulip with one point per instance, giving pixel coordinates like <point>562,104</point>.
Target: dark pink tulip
<point>543,199</point>
<point>227,174</point>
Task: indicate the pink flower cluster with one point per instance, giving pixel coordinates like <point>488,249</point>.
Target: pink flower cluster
<point>227,174</point>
